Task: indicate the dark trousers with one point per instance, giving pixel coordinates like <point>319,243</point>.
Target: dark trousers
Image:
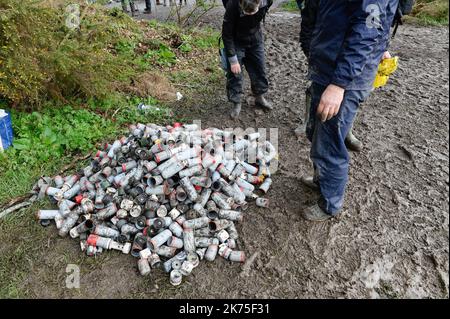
<point>148,5</point>
<point>253,59</point>
<point>328,151</point>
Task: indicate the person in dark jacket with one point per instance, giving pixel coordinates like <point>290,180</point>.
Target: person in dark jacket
<point>309,17</point>
<point>308,23</point>
<point>347,43</point>
<point>244,46</point>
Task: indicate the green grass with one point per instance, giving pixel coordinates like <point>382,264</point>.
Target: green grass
<point>431,12</point>
<point>290,5</point>
<point>46,140</point>
<point>18,251</point>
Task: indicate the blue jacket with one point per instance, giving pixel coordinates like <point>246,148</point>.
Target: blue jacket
<point>348,41</point>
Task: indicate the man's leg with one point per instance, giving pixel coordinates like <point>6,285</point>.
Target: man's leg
<point>329,153</point>
<point>255,63</point>
<point>301,129</point>
<point>133,8</point>
<point>148,6</point>
<point>124,5</point>
<point>313,94</point>
<point>235,84</point>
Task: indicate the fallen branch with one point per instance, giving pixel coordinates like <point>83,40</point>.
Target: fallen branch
<point>17,207</point>
<point>187,85</point>
<point>16,200</point>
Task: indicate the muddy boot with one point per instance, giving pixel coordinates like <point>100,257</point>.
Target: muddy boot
<point>235,111</point>
<point>262,102</point>
<point>352,142</point>
<point>309,182</point>
<point>315,214</point>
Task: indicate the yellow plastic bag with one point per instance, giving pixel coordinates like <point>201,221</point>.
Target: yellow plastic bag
<point>385,69</point>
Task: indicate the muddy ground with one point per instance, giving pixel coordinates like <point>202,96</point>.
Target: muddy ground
<point>391,240</point>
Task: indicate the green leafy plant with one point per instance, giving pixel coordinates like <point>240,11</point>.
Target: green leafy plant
<point>163,56</point>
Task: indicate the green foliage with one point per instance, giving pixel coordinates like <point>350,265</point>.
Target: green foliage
<point>41,136</point>
<point>42,58</point>
<point>205,39</point>
<point>186,46</point>
<point>431,12</point>
<point>52,133</point>
<point>163,56</point>
<point>195,38</point>
<point>48,139</point>
<point>290,5</point>
<point>125,47</point>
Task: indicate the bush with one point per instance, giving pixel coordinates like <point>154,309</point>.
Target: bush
<point>42,58</point>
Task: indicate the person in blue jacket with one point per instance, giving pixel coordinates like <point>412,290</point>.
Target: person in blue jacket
<point>309,14</point>
<point>349,39</point>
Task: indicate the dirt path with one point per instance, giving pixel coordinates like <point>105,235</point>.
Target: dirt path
<point>391,239</point>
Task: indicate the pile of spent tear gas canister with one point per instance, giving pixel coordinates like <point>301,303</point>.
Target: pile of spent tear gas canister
<point>171,196</point>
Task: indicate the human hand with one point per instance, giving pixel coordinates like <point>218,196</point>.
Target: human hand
<point>386,55</point>
<point>236,68</point>
<point>330,102</point>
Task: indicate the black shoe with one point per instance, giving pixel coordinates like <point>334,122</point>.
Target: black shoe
<point>309,182</point>
<point>262,102</point>
<point>353,143</point>
<point>316,214</point>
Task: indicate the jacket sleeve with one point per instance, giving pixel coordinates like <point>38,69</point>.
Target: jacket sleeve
<point>362,37</point>
<point>390,16</point>
<point>309,16</point>
<point>228,30</point>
